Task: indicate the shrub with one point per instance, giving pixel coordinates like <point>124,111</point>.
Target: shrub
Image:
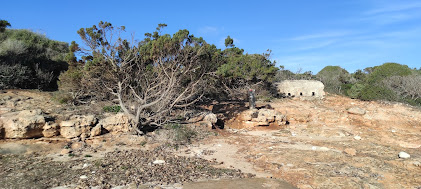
<point>387,70</point>
<point>355,90</point>
<point>114,109</point>
<point>371,92</point>
<point>181,134</point>
<point>334,78</point>
<point>34,60</point>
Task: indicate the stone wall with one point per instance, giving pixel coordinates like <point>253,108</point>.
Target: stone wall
<point>301,88</point>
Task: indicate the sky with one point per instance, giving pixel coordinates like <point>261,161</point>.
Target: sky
<point>304,35</point>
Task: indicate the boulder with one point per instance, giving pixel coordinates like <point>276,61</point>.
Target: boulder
<point>356,111</point>
<point>50,129</point>
<point>77,126</point>
<point>261,117</point>
<point>22,124</point>
<point>248,115</point>
<point>350,151</point>
<point>403,155</point>
<point>210,120</point>
<point>118,123</point>
<point>265,116</point>
<point>96,131</point>
<point>211,117</point>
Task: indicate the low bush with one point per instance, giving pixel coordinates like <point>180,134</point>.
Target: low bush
<point>372,92</point>
<point>114,109</point>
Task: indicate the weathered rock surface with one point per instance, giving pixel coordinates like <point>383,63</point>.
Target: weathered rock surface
<point>356,111</point>
<point>77,126</point>
<point>50,129</point>
<point>403,155</point>
<point>350,151</point>
<point>117,123</point>
<point>261,117</point>
<point>22,124</point>
<point>210,120</point>
<point>96,131</point>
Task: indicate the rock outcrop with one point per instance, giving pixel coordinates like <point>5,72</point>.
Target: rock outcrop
<point>50,129</point>
<point>210,120</point>
<point>22,124</point>
<point>115,123</point>
<point>78,126</point>
<point>261,117</point>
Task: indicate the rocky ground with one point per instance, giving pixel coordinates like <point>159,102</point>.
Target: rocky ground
<point>335,142</point>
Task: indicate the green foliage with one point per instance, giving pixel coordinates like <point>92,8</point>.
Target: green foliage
<point>355,90</point>
<point>114,109</point>
<point>253,67</point>
<point>229,42</point>
<point>334,78</point>
<point>39,58</point>
<point>181,134</point>
<point>386,70</point>
<point>359,75</point>
<point>345,88</point>
<point>3,25</point>
<point>371,92</point>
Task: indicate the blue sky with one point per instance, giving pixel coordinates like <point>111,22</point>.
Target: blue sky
<point>302,34</point>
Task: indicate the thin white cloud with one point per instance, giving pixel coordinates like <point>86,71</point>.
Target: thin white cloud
<point>386,14</point>
<point>384,19</point>
<point>313,46</point>
<point>208,30</point>
<point>394,8</point>
<point>322,35</point>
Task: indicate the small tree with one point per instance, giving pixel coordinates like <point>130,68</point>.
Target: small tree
<point>151,79</point>
<point>3,25</point>
<point>406,87</point>
<point>334,78</point>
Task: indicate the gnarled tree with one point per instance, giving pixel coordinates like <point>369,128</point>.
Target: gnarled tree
<point>151,79</point>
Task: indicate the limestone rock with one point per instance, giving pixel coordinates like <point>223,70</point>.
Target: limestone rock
<point>261,117</point>
<point>158,161</point>
<point>115,123</point>
<point>65,151</point>
<point>248,115</point>
<point>22,124</point>
<point>96,131</point>
<point>4,110</point>
<point>356,111</point>
<point>403,155</point>
<point>212,118</point>
<point>77,126</point>
<point>50,129</point>
<point>265,115</point>
<point>350,151</point>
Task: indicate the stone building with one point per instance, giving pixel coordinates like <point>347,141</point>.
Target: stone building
<point>301,88</point>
